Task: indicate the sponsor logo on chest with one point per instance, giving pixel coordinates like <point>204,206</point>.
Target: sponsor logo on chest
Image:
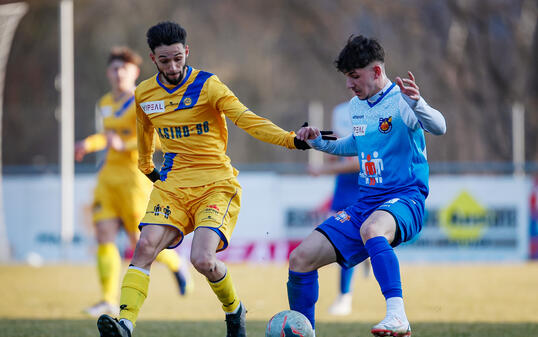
<point>153,107</point>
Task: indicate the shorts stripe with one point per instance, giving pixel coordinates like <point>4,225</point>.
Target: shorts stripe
<point>227,208</point>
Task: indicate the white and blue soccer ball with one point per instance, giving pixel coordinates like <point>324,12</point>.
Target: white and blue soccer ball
<point>289,323</point>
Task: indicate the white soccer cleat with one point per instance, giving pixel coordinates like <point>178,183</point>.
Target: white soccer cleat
<point>342,305</point>
<point>102,308</point>
<point>392,326</point>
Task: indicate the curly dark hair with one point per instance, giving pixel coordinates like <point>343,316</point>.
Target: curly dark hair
<point>359,52</point>
<point>165,33</point>
<point>124,54</point>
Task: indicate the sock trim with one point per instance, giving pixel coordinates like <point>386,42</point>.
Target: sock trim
<point>142,270</point>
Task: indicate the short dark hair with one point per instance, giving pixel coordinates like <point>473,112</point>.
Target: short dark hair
<point>165,33</point>
<point>124,54</point>
<point>359,52</point>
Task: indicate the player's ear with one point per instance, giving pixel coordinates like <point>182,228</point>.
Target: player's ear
<point>152,56</point>
<point>186,51</point>
<point>378,71</point>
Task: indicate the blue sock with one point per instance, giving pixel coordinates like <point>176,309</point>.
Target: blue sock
<point>346,276</point>
<point>303,291</point>
<point>385,266</point>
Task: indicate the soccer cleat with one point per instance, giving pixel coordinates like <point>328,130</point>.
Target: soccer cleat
<point>102,308</point>
<point>236,323</point>
<point>392,326</point>
<point>342,305</point>
<point>110,327</point>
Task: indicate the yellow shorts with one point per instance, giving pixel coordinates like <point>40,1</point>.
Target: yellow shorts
<point>214,206</point>
<point>121,199</point>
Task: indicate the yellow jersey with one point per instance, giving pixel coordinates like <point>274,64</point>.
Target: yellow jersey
<point>120,118</point>
<point>189,119</point>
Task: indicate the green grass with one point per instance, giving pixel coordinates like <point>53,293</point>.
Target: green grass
<point>87,328</point>
<point>463,300</point>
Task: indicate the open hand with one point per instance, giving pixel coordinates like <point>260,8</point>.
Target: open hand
<point>408,86</point>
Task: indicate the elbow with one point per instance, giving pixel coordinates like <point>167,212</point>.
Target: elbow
<point>442,129</point>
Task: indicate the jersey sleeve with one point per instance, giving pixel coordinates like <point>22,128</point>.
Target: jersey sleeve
<point>145,139</point>
<point>419,114</point>
<point>345,146</point>
<point>223,100</point>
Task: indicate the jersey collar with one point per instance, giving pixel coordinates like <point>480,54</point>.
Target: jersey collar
<point>379,96</point>
<point>170,91</point>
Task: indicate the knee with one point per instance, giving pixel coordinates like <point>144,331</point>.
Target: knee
<point>203,263</point>
<point>369,231</point>
<point>300,261</point>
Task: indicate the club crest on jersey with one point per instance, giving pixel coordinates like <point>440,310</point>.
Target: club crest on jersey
<point>385,124</point>
<point>187,101</point>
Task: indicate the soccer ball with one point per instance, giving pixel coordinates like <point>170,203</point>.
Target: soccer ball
<point>289,323</point>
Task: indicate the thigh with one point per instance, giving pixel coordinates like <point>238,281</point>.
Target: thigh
<point>204,243</point>
<point>217,208</point>
<point>314,252</point>
<point>343,232</point>
<point>408,213</point>
<point>107,230</point>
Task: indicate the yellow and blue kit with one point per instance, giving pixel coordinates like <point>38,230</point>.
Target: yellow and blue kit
<point>121,190</point>
<point>198,187</point>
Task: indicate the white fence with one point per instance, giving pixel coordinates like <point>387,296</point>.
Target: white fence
<point>469,218</point>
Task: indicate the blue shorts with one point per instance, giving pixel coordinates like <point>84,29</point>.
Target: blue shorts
<point>343,229</point>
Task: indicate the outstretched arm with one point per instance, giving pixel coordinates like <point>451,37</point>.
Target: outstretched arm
<point>223,100</point>
<point>430,119</point>
<point>345,146</point>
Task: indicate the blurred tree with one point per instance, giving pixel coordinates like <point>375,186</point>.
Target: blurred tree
<point>472,60</point>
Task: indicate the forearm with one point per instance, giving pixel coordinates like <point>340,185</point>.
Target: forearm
<point>265,130</point>
<point>146,147</point>
<point>341,147</point>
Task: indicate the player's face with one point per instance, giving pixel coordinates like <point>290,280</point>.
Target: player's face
<point>170,62</point>
<point>362,82</point>
<point>122,75</point>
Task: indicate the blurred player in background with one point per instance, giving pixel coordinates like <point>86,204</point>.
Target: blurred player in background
<point>196,189</point>
<point>346,192</point>
<point>121,191</point>
<point>388,122</point>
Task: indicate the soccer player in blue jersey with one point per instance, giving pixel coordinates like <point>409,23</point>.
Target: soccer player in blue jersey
<point>389,120</point>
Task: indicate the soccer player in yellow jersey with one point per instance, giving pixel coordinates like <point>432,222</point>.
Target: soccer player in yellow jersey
<point>121,191</point>
<point>196,189</point>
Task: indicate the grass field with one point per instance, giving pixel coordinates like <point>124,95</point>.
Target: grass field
<point>441,300</point>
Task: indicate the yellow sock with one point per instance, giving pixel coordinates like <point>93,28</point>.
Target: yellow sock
<point>225,291</point>
<point>134,291</point>
<point>170,259</point>
<point>108,267</point>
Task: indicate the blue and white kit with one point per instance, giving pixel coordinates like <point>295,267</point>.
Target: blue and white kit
<point>388,138</point>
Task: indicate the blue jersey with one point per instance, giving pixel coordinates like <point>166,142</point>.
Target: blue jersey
<point>389,141</point>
